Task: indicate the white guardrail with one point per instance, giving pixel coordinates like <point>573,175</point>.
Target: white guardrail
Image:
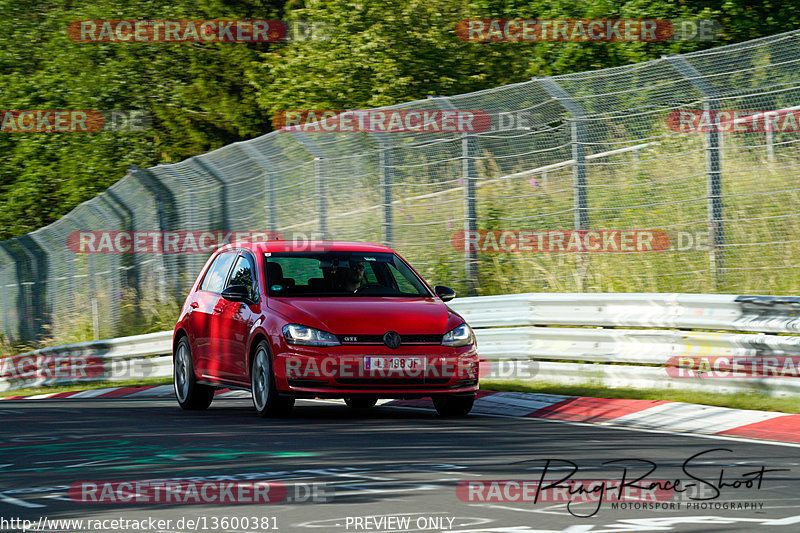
<point>680,341</point>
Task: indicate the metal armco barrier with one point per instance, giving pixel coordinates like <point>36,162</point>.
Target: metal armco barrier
<point>602,347</point>
<point>120,359</point>
<point>768,314</point>
<point>617,340</point>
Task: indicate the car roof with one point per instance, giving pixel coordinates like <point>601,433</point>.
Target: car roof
<point>309,246</point>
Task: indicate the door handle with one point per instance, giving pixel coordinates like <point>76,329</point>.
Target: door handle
<point>217,309</point>
<point>194,305</point>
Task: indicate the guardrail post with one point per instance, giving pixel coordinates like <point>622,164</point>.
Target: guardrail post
<point>713,164</point>
<point>469,176</point>
<point>270,197</point>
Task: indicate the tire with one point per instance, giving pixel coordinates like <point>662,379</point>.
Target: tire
<point>266,400</point>
<point>362,402</point>
<point>191,395</point>
<point>453,405</point>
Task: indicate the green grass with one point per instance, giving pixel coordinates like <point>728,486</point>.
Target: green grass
<point>666,190</point>
<point>759,402</point>
<point>86,386</point>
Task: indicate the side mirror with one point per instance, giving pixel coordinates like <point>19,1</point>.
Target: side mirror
<point>236,293</point>
<point>445,293</point>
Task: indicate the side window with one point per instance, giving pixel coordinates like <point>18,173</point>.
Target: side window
<point>244,274</point>
<point>217,273</point>
<point>369,274</point>
<point>405,286</point>
<point>406,282</point>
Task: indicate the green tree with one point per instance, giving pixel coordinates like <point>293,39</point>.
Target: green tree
<point>197,95</point>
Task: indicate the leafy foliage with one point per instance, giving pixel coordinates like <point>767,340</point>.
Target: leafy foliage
<point>203,96</point>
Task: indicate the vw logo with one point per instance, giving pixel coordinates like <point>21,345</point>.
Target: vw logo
<point>391,339</point>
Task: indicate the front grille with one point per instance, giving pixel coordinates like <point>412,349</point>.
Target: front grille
<point>378,339</point>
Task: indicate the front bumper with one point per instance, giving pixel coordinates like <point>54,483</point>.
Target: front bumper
<point>339,371</point>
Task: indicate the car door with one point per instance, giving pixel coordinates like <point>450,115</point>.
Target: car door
<point>236,320</point>
<point>203,318</point>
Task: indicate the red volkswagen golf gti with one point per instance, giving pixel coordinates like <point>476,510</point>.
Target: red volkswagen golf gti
<point>325,320</point>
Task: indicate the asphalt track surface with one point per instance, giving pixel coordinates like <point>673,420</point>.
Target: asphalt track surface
<point>369,465</point>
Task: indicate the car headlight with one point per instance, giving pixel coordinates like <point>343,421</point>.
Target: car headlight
<point>305,336</point>
<point>458,336</point>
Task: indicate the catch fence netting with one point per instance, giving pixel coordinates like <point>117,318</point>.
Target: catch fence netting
<point>601,181</point>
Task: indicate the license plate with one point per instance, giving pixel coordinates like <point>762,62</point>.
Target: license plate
<point>394,363</point>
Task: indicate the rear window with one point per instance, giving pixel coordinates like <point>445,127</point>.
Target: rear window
<point>340,274</point>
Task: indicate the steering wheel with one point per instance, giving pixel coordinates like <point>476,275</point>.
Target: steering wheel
<point>368,286</point>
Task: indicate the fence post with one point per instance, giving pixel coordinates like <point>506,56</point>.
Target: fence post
<point>127,261</point>
<point>165,207</point>
<point>386,187</point>
<point>95,320</point>
<point>322,194</point>
<point>713,165</point>
<point>39,292</point>
<point>468,151</point>
<point>111,314</point>
<point>578,134</point>
<point>319,174</point>
<point>223,192</point>
<point>469,176</point>
<point>4,289</point>
<point>577,121</point>
<point>770,144</point>
<point>23,324</point>
<point>386,179</point>
<point>266,165</point>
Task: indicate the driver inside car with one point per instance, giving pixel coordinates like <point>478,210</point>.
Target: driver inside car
<point>349,278</point>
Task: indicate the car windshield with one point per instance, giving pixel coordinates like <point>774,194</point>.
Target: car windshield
<point>340,274</point>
